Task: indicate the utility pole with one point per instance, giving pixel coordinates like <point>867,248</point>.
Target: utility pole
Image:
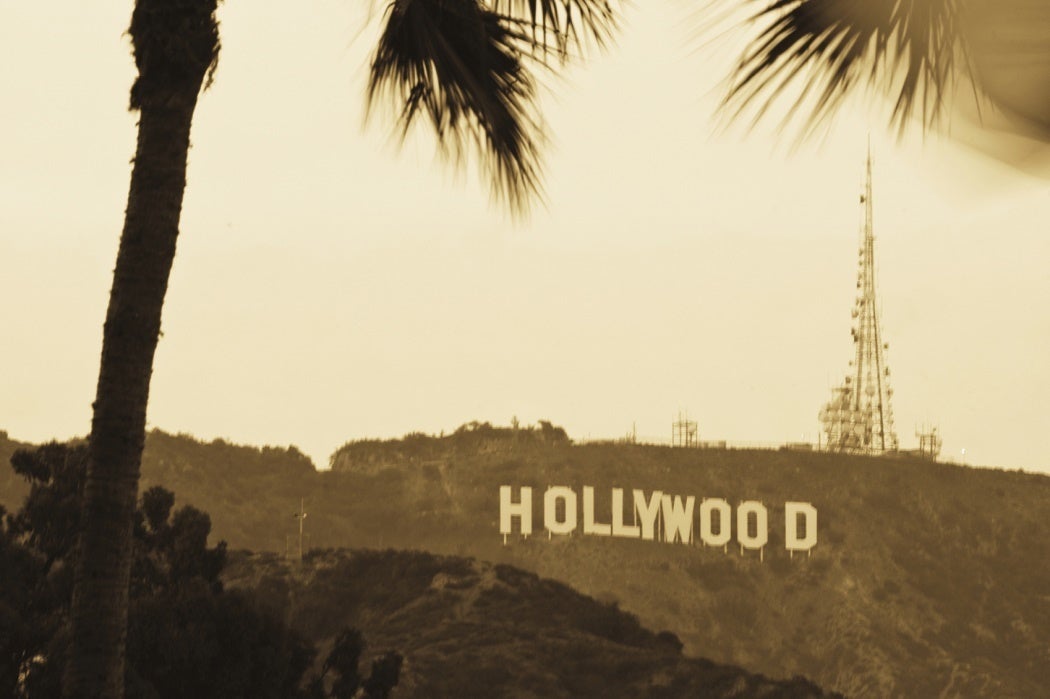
<point>300,515</point>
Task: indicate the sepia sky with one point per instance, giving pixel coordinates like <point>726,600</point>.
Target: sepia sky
<point>329,286</point>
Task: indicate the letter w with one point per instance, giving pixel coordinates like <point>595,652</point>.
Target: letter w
<point>678,520</point>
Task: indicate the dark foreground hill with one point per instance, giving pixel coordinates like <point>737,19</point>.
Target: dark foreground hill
<point>472,629</point>
<point>928,579</point>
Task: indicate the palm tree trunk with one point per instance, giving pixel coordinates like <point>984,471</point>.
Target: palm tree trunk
<point>140,280</point>
<point>175,45</point>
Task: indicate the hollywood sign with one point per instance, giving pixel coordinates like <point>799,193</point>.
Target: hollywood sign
<point>657,517</point>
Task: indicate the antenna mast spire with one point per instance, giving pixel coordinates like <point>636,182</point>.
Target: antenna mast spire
<point>859,418</point>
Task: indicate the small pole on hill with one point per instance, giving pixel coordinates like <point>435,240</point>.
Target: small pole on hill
<point>300,515</point>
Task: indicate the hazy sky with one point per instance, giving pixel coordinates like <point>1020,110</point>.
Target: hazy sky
<point>329,287</point>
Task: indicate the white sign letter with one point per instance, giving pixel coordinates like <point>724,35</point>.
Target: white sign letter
<point>589,525</point>
<point>678,520</point>
<point>509,509</point>
<point>743,536</point>
<point>550,510</point>
<point>647,512</point>
<point>725,519</point>
<point>618,527</point>
<point>791,538</point>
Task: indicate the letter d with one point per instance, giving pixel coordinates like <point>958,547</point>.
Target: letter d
<point>792,540</point>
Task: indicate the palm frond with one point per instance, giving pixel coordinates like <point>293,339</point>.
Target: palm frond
<point>460,66</point>
<point>557,26</point>
<point>831,46</point>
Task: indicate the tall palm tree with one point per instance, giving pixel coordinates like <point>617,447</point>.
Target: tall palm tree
<point>465,66</point>
<point>176,46</point>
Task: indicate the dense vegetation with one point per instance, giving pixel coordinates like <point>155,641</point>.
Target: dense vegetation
<point>187,636</point>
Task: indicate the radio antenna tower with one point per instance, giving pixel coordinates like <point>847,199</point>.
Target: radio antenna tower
<point>684,432</point>
<point>859,419</point>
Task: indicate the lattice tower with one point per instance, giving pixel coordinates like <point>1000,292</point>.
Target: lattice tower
<point>859,417</point>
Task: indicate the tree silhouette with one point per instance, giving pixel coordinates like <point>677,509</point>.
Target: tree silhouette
<point>188,636</point>
<point>343,662</point>
<point>386,671</point>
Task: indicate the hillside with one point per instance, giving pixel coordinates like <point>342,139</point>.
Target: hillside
<point>928,579</point>
<point>467,628</point>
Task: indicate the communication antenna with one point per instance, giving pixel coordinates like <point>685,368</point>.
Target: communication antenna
<point>929,442</point>
<point>859,419</point>
<point>684,432</point>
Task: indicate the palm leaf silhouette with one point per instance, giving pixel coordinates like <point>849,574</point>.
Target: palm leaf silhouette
<point>914,47</point>
<point>469,70</point>
<point>986,60</point>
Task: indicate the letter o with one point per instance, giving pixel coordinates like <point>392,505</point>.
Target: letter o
<point>743,537</point>
<point>725,519</point>
<point>550,510</point>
